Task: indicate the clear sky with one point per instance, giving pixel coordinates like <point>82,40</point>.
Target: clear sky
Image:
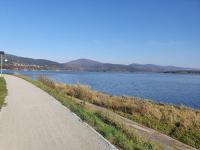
<point>164,32</point>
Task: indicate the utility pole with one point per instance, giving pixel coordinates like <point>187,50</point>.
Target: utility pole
<point>2,53</point>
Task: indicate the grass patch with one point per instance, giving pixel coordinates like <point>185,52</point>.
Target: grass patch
<point>180,123</point>
<point>115,133</point>
<point>3,91</point>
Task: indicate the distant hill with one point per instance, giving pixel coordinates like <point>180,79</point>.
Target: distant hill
<point>12,59</point>
<point>91,65</point>
<point>81,65</point>
<point>156,68</point>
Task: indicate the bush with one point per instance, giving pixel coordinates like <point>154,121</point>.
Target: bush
<point>81,91</point>
<point>3,91</point>
<point>46,81</point>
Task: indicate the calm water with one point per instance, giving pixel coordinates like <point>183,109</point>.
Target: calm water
<point>168,88</point>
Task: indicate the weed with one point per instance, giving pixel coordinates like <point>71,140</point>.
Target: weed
<point>3,91</point>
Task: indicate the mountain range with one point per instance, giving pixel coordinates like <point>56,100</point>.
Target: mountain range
<point>91,65</point>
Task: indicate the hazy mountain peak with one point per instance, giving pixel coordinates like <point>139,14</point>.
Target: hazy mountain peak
<point>89,65</point>
<point>83,60</point>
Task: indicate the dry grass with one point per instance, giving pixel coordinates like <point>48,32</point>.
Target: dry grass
<point>131,105</point>
<point>48,82</point>
<point>179,122</point>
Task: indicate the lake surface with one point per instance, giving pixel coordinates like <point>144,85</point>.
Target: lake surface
<point>167,88</point>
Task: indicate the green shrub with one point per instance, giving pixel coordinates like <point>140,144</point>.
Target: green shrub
<point>3,91</point>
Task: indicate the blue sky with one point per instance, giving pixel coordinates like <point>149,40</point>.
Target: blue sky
<point>117,31</point>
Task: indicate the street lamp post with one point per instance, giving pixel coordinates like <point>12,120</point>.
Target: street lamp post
<point>2,53</point>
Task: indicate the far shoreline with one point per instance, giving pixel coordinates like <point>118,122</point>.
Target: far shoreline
<point>181,72</point>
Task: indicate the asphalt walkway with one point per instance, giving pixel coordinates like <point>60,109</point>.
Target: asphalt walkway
<point>33,120</point>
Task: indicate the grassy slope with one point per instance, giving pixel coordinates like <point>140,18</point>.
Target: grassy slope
<point>3,91</point>
<point>112,131</point>
<point>180,123</point>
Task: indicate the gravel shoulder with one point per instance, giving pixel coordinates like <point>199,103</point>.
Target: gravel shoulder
<point>33,120</point>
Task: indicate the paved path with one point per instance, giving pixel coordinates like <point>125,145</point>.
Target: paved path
<point>33,120</point>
